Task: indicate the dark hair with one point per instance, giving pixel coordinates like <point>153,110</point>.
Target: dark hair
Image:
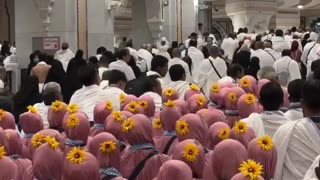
<point>315,65</point>
<point>295,90</point>
<point>271,96</point>
<point>194,34</point>
<point>43,57</point>
<point>104,60</point>
<point>88,74</point>
<point>271,31</point>
<point>245,30</point>
<point>101,50</point>
<point>123,52</point>
<point>310,91</point>
<point>124,39</point>
<point>150,83</point>
<point>193,43</point>
<point>110,56</point>
<point>293,29</point>
<point>279,32</point>
<point>79,54</point>
<point>116,76</point>
<point>93,60</point>
<point>286,52</point>
<point>29,89</point>
<point>136,70</point>
<point>129,43</point>
<point>254,67</point>
<point>176,72</point>
<point>234,70</point>
<point>240,30</point>
<point>158,61</point>
<point>205,52</point>
<point>258,37</point>
<point>174,44</point>
<point>307,36</point>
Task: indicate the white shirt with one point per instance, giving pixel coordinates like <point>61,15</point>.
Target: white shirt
<point>197,57</point>
<point>294,114</point>
<point>133,53</point>
<point>157,100</point>
<point>113,94</point>
<point>265,58</point>
<point>43,112</point>
<point>102,70</point>
<point>124,67</point>
<point>279,44</point>
<point>162,80</point>
<point>181,87</point>
<point>208,75</point>
<point>287,64</point>
<point>87,98</point>
<point>146,56</point>
<point>274,54</point>
<point>229,46</point>
<point>306,57</point>
<point>185,66</point>
<point>64,56</point>
<point>241,36</point>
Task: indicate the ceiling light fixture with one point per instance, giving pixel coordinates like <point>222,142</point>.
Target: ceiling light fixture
<point>300,6</point>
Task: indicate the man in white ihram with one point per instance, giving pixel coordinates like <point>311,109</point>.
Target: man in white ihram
<point>122,64</point>
<point>64,55</point>
<point>306,57</point>
<point>229,46</point>
<point>197,57</point>
<point>177,60</point>
<point>266,59</point>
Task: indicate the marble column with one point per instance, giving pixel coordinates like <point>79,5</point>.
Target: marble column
<point>287,18</point>
<point>189,17</point>
<point>170,21</point>
<point>253,14</point>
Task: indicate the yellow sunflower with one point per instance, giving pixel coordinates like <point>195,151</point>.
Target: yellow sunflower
<point>133,107</point>
<point>251,169</point>
<point>201,101</point>
<point>250,99</point>
<point>108,147</point>
<point>169,92</point>
<point>109,106</point>
<point>127,125</point>
<point>144,105</point>
<point>194,87</point>
<point>240,127</point>
<point>76,156</point>
<point>190,153</point>
<point>156,123</point>
<point>265,143</point>
<point>2,152</point>
<point>72,108</point>
<point>57,106</point>
<point>170,104</point>
<point>244,83</point>
<point>215,88</point>
<point>232,98</point>
<point>32,109</point>
<point>72,121</point>
<point>37,140</point>
<point>122,98</point>
<point>117,115</point>
<point>2,114</point>
<point>182,127</point>
<point>224,133</point>
<point>52,142</point>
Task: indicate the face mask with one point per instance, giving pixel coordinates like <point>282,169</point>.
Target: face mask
<point>36,59</point>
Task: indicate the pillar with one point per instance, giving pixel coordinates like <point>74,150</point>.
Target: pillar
<point>287,18</point>
<point>170,20</point>
<point>4,21</point>
<point>189,17</point>
<point>253,14</point>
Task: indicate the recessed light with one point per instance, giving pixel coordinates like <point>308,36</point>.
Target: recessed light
<point>300,6</point>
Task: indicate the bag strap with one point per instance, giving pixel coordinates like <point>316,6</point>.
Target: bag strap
<point>140,166</point>
<point>310,52</point>
<point>166,149</point>
<point>271,55</point>
<point>214,68</point>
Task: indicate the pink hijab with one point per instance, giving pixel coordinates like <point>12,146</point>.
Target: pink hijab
<point>261,83</point>
<point>211,116</point>
<point>183,106</point>
<point>266,157</point>
<point>193,154</point>
<point>242,133</point>
<point>47,162</point>
<point>56,113</point>
<point>126,100</point>
<point>174,170</point>
<point>169,94</point>
<point>215,91</point>
<point>137,130</point>
<point>231,100</point>
<point>240,176</point>
<point>221,96</point>
<point>106,149</point>
<point>191,126</point>
<point>3,139</point>
<point>87,170</point>
<point>193,89</point>
<point>249,84</point>
<point>100,113</point>
<point>54,134</point>
<point>113,123</point>
<point>8,169</point>
<point>248,104</point>
<point>7,120</point>
<point>225,160</point>
<point>197,102</point>
<point>134,108</point>
<point>147,103</point>
<point>218,132</point>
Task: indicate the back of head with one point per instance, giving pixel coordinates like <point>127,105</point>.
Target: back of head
<point>279,33</point>
<point>271,31</point>
<point>295,90</point>
<point>315,65</point>
<point>245,30</point>
<point>176,53</point>
<point>110,56</point>
<point>240,30</point>
<point>271,96</point>
<point>193,43</point>
<point>258,45</point>
<point>286,52</point>
<point>101,50</point>
<point>234,70</point>
<point>104,60</point>
<point>268,44</point>
<point>177,73</point>
<point>88,75</point>
<point>310,94</point>
<point>79,54</point>
<point>214,51</point>
<point>116,76</point>
<point>122,53</point>
<point>194,36</point>
<point>158,62</point>
<point>51,92</point>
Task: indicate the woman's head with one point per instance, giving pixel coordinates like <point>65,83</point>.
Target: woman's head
<point>79,54</point>
<point>235,71</point>
<point>294,45</point>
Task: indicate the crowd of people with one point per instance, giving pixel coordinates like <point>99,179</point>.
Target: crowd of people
<point>245,108</point>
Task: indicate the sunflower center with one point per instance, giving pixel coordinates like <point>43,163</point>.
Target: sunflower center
<point>190,152</point>
<point>158,123</point>
<point>77,155</point>
<point>132,106</point>
<point>107,146</point>
<point>251,170</point>
<point>265,142</point>
<point>182,126</point>
<point>223,132</point>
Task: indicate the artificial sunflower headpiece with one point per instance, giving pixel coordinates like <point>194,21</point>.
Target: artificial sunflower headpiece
<point>170,104</point>
<point>2,114</point>
<point>182,127</point>
<point>122,98</point>
<point>190,153</point>
<point>224,133</point>
<point>109,106</point>
<point>265,143</point>
<point>251,169</point>
<point>244,82</point>
<point>215,88</point>
<point>57,106</point>
<point>250,99</point>
<point>117,115</point>
<point>144,104</point>
<point>232,98</point>
<point>240,127</point>
<point>133,107</point>
<point>194,87</point>
<point>37,140</point>
<point>76,156</point>
<point>169,92</point>
<point>127,125</point>
<point>32,109</point>
<point>52,142</point>
<point>156,123</point>
<point>72,121</point>
<point>201,100</point>
<point>108,147</point>
<point>2,152</point>
<point>72,108</point>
